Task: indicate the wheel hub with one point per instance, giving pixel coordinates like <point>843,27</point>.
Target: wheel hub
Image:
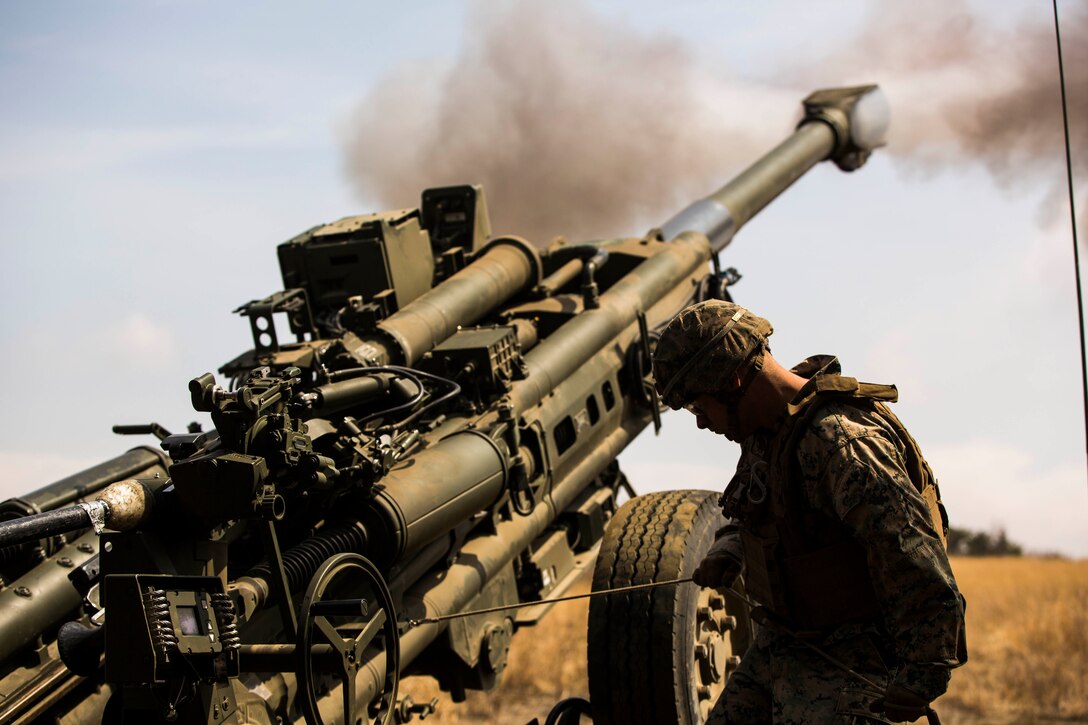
<point>714,658</point>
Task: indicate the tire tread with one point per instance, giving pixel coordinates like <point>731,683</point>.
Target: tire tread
<point>634,638</point>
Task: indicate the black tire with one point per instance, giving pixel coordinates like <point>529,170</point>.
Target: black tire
<point>661,655</point>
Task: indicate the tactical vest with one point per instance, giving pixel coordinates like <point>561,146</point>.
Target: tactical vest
<point>803,564</point>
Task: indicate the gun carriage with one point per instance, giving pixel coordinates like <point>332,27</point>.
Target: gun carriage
<point>441,436</point>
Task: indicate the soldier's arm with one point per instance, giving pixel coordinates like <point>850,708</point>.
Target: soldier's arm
<point>727,538</point>
<point>923,611</point>
<point>724,561</point>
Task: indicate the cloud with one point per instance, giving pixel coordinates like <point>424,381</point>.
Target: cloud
<point>139,337</point>
<point>574,124</point>
<point>964,90</point>
<point>646,476</point>
<point>987,484</point>
<point>898,354</point>
<point>584,126</point>
<point>48,153</point>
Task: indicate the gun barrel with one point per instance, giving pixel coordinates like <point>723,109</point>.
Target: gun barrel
<point>843,124</point>
<point>558,357</point>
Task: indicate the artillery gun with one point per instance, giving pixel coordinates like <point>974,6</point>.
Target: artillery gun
<point>441,437</point>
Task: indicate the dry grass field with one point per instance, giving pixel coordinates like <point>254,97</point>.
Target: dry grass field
<point>547,664</point>
<point>1027,636</point>
<point>1027,629</point>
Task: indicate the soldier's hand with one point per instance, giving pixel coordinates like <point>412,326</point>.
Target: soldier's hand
<point>719,568</point>
<point>900,704</point>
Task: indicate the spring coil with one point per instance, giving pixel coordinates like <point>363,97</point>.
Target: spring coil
<point>14,553</point>
<point>158,620</point>
<point>300,562</point>
<point>227,619</point>
<point>18,559</point>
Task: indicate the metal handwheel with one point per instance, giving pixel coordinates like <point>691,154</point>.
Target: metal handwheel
<point>364,619</point>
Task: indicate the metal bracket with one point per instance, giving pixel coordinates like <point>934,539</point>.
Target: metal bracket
<point>294,302</point>
<point>96,511</point>
<point>648,387</point>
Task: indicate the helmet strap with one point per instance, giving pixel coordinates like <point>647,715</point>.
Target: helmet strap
<point>732,398</point>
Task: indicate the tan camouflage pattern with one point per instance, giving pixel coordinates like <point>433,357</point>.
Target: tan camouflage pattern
<point>852,469</point>
<point>781,681</point>
<point>688,332</point>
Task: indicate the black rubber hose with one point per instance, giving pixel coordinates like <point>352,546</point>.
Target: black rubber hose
<point>42,526</point>
<point>415,376</point>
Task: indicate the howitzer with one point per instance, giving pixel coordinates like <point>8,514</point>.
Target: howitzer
<point>442,436</point>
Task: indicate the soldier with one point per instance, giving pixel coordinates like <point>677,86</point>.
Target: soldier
<point>836,522</point>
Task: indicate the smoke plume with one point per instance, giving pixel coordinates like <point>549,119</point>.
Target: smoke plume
<point>965,90</point>
<point>588,128</point>
<point>1018,127</point>
<point>574,125</point>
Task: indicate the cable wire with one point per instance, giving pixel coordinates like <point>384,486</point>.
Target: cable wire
<point>1073,221</point>
<point>410,623</point>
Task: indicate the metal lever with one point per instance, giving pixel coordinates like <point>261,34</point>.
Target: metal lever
<point>651,390</point>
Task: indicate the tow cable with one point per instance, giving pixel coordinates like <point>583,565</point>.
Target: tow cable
<point>412,623</point>
<point>931,714</point>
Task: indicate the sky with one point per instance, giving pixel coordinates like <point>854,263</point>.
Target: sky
<point>153,154</point>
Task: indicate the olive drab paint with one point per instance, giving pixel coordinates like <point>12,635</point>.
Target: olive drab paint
<point>444,426</point>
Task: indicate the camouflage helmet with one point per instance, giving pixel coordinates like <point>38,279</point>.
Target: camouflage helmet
<point>703,346</point>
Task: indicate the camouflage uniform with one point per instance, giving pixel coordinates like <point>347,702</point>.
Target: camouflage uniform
<point>833,476</point>
<point>781,681</point>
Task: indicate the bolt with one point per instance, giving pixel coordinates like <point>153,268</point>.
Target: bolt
<point>226,703</point>
<point>23,592</point>
<point>705,612</point>
<point>703,692</point>
<point>406,708</point>
<point>727,623</point>
<point>107,547</point>
<point>701,651</point>
<point>86,548</point>
<point>65,562</point>
<point>732,663</point>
